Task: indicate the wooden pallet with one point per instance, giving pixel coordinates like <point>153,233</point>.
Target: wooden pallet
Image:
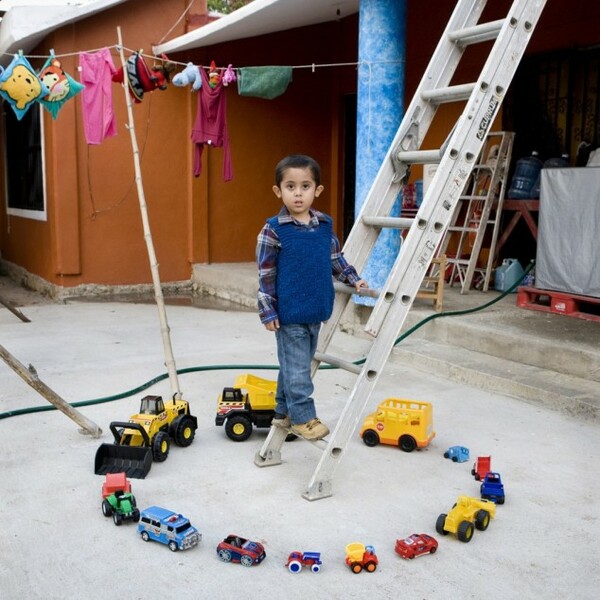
<point>560,303</point>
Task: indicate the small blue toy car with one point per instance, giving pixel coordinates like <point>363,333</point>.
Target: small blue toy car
<point>167,527</point>
<point>492,488</point>
<point>457,453</point>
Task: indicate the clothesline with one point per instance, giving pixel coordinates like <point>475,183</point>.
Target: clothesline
<point>115,47</point>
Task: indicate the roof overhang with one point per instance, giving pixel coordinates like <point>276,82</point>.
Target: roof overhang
<point>261,17</point>
<point>24,27</point>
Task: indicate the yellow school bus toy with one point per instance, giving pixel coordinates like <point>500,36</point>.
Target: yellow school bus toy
<point>404,423</point>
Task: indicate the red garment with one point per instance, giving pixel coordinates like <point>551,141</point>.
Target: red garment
<point>211,125</point>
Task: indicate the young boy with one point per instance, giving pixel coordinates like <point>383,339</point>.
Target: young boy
<point>297,253</point>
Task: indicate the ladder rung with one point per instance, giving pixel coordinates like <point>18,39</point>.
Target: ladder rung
<point>420,156</point>
<point>473,197</point>
<point>349,289</point>
<point>394,222</point>
<point>457,261</point>
<point>338,362</point>
<point>477,33</point>
<point>453,93</point>
<point>458,228</point>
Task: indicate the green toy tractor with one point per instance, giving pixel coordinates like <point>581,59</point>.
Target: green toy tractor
<point>121,506</point>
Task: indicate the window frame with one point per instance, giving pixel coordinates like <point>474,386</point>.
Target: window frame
<point>26,213</point>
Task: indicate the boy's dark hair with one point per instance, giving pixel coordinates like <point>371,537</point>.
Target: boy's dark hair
<point>298,161</point>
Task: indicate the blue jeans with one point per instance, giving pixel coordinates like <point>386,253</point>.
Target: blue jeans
<point>296,346</point>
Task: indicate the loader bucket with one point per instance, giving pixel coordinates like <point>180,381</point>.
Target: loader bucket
<point>134,461</point>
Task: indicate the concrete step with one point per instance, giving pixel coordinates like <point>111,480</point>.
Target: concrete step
<point>571,395</point>
<point>550,342</point>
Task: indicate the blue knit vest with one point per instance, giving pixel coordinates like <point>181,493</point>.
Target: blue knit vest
<point>304,285</point>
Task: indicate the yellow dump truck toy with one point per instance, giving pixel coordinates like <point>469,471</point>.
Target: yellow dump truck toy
<point>250,402</point>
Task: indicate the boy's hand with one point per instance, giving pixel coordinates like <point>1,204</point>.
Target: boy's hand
<point>272,325</point>
<point>361,283</point>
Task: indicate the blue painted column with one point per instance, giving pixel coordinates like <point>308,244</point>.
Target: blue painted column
<point>380,106</point>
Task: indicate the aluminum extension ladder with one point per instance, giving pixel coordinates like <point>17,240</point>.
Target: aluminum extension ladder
<point>478,213</point>
<point>456,159</point>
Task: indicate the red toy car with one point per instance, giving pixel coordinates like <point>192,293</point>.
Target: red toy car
<point>239,550</point>
<point>415,545</point>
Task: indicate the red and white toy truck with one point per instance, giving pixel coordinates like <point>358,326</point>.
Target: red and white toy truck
<point>481,467</point>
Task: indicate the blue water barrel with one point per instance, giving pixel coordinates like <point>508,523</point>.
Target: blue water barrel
<point>418,192</point>
<point>552,163</point>
<point>524,179</point>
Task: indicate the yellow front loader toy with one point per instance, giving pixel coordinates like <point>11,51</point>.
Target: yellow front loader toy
<point>146,436</point>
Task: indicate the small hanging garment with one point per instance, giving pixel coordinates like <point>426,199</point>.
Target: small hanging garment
<point>210,126</point>
<point>263,82</point>
<point>97,69</point>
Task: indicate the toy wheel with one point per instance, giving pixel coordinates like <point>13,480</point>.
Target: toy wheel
<point>477,476</point>
<point>136,515</point>
<point>370,438</point>
<point>500,500</point>
<point>106,508</point>
<point>315,568</point>
<point>356,567</point>
<point>160,446</point>
<point>238,428</point>
<point>145,536</point>
<point>225,555</point>
<point>455,459</point>
<point>295,566</point>
<point>246,561</point>
<point>465,531</point>
<point>439,524</point>
<point>371,566</point>
<point>482,520</point>
<point>173,546</point>
<point>407,443</point>
<point>183,430</point>
<point>446,455</point>
<point>433,549</point>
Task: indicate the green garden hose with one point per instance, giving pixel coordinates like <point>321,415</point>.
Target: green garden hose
<point>144,386</point>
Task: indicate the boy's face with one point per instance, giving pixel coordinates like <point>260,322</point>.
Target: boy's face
<point>298,191</point>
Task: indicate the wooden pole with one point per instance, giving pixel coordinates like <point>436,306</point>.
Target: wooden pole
<point>14,310</point>
<point>30,376</point>
<point>160,302</point>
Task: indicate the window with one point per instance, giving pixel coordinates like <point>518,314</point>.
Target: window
<point>24,163</point>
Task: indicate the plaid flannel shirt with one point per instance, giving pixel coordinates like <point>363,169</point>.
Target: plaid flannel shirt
<point>267,249</point>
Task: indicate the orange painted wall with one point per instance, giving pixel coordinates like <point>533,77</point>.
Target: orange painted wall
<point>94,232</point>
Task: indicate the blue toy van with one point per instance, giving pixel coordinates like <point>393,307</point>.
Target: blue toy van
<point>165,526</point>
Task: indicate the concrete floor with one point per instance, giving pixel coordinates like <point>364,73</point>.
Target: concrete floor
<point>55,542</point>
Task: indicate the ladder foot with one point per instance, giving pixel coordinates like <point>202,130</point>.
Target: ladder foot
<point>272,458</point>
<point>318,490</point>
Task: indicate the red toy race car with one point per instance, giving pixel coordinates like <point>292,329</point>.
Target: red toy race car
<point>415,545</point>
<point>239,550</point>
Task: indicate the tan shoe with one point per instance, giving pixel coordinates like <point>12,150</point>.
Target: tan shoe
<point>313,430</point>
